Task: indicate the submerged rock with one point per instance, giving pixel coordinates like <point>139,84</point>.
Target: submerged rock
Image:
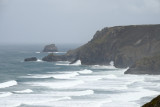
<point>50,48</point>
<point>147,65</point>
<point>154,103</point>
<point>31,59</point>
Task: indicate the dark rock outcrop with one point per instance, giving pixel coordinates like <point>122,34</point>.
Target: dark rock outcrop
<point>154,103</point>
<point>30,59</point>
<point>52,57</point>
<point>122,44</point>
<point>50,48</point>
<point>147,65</point>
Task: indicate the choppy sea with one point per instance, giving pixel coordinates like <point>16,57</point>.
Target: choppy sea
<point>60,84</point>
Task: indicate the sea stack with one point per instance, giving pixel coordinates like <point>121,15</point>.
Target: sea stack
<point>50,48</point>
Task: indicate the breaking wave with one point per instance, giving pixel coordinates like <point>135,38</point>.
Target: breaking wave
<point>72,93</point>
<point>78,62</point>
<point>24,91</point>
<point>5,94</point>
<point>8,84</point>
<point>58,85</point>
<point>56,76</point>
<point>39,60</point>
<point>86,71</point>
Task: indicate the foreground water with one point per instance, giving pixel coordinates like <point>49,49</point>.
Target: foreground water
<point>59,84</point>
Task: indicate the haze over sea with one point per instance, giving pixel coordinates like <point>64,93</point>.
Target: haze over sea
<point>60,84</point>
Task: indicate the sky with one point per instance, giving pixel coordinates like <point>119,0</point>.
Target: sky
<point>69,21</point>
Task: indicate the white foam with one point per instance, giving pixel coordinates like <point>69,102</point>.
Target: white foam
<point>5,94</point>
<point>39,60</point>
<point>86,71</point>
<point>89,78</point>
<point>58,85</point>
<point>71,93</point>
<point>62,64</point>
<point>8,84</point>
<point>57,76</point>
<point>78,62</point>
<point>78,103</point>
<point>38,101</point>
<point>110,76</point>
<point>103,67</point>
<point>137,94</point>
<point>112,63</point>
<point>82,93</point>
<point>66,63</point>
<point>66,76</point>
<point>24,91</point>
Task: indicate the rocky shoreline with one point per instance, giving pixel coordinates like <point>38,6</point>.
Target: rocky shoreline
<point>136,47</point>
<point>147,65</point>
<point>154,103</point>
<point>125,45</point>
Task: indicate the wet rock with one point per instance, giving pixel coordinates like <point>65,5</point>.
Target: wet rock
<point>30,59</point>
<point>50,48</point>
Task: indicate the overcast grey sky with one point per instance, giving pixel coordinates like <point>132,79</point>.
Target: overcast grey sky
<point>69,21</point>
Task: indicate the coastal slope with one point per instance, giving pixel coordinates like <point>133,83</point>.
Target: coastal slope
<point>122,44</point>
<point>147,65</point>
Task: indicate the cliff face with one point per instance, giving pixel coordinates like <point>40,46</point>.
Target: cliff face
<point>147,65</point>
<point>122,44</point>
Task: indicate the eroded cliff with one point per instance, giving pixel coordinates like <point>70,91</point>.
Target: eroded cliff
<point>122,44</point>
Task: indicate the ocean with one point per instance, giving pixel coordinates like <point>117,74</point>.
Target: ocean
<point>60,84</point>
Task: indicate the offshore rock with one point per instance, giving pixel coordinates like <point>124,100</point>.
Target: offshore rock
<point>30,59</point>
<point>50,48</point>
<point>52,57</point>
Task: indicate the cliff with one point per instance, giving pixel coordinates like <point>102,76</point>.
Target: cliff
<point>154,103</point>
<point>122,44</point>
<point>147,65</point>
